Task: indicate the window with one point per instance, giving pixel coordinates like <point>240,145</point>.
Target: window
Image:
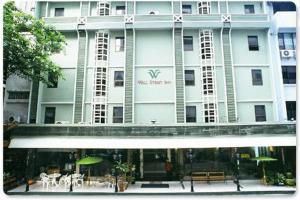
<point>101,46</point>
<point>118,115</point>
<point>188,43</point>
<point>256,77</point>
<point>120,43</point>
<point>49,115</point>
<point>260,113</point>
<point>287,41</point>
<point>99,113</point>
<point>210,112</point>
<point>190,113</point>
<point>207,80</point>
<point>189,77</point>
<point>119,78</point>
<point>186,9</point>
<point>249,9</point>
<point>53,81</point>
<point>204,7</point>
<point>289,74</point>
<point>253,43</point>
<point>206,44</point>
<point>59,12</point>
<point>18,95</point>
<point>291,110</point>
<point>103,8</point>
<point>120,10</point>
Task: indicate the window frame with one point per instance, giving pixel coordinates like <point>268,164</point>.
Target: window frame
<point>53,80</point>
<point>255,46</point>
<point>123,10</point>
<point>281,36</point>
<point>191,119</point>
<point>59,9</point>
<point>251,10</point>
<point>255,80</point>
<point>189,82</point>
<point>18,95</point>
<point>291,113</point>
<point>121,47</point>
<point>116,81</point>
<point>284,71</point>
<point>258,117</point>
<point>47,119</point>
<point>190,9</point>
<point>117,119</point>
<point>188,47</point>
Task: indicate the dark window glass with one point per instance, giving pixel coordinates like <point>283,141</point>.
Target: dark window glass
<point>186,9</point>
<point>287,41</point>
<point>120,10</point>
<point>291,110</point>
<point>189,77</point>
<point>283,6</point>
<point>190,113</point>
<point>119,78</point>
<point>249,9</point>
<point>256,77</point>
<point>53,81</point>
<point>120,43</point>
<point>188,43</point>
<point>260,113</point>
<point>118,115</point>
<point>49,115</point>
<point>18,95</point>
<point>281,41</point>
<point>253,43</point>
<point>289,74</point>
<point>59,12</point>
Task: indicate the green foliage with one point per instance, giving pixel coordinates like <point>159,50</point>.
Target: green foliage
<point>28,44</point>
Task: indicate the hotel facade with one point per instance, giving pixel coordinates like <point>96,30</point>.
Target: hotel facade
<point>155,81</point>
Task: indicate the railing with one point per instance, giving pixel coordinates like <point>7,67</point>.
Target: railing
<point>250,18</point>
<point>52,20</point>
<point>95,19</point>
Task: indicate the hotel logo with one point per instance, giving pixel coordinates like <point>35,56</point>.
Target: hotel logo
<point>154,73</point>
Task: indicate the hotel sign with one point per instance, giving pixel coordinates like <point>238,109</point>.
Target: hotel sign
<point>154,78</point>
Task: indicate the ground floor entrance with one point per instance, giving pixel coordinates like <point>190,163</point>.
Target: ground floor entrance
<point>149,167</point>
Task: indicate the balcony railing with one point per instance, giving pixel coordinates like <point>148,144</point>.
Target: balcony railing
<point>116,21</point>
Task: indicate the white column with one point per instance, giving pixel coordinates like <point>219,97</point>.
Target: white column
<point>141,163</point>
<point>169,154</point>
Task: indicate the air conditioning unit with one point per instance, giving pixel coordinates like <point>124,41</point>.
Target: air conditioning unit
<point>14,119</point>
<point>62,122</point>
<point>287,53</point>
<point>153,12</point>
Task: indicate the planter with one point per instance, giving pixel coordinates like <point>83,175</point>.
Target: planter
<point>121,186</point>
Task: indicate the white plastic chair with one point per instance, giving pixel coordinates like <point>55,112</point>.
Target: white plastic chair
<point>45,180</point>
<point>80,179</point>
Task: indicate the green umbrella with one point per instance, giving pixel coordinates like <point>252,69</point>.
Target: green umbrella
<point>89,161</point>
<point>264,159</point>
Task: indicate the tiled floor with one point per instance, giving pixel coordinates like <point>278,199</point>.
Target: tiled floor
<point>175,187</point>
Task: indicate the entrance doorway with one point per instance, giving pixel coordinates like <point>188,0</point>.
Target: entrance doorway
<point>154,164</point>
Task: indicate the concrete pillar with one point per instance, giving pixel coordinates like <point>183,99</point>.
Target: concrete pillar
<point>141,163</point>
<point>169,154</point>
<point>129,155</point>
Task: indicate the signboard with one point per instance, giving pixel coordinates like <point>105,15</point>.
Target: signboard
<point>154,78</point>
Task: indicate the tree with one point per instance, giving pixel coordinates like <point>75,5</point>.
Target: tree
<point>28,44</point>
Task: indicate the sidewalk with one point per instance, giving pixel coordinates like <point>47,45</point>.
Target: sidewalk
<point>251,186</point>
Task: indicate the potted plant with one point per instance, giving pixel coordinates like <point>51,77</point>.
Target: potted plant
<point>279,179</point>
<point>290,180</point>
<point>123,169</point>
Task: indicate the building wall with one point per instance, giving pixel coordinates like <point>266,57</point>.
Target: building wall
<point>154,97</point>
